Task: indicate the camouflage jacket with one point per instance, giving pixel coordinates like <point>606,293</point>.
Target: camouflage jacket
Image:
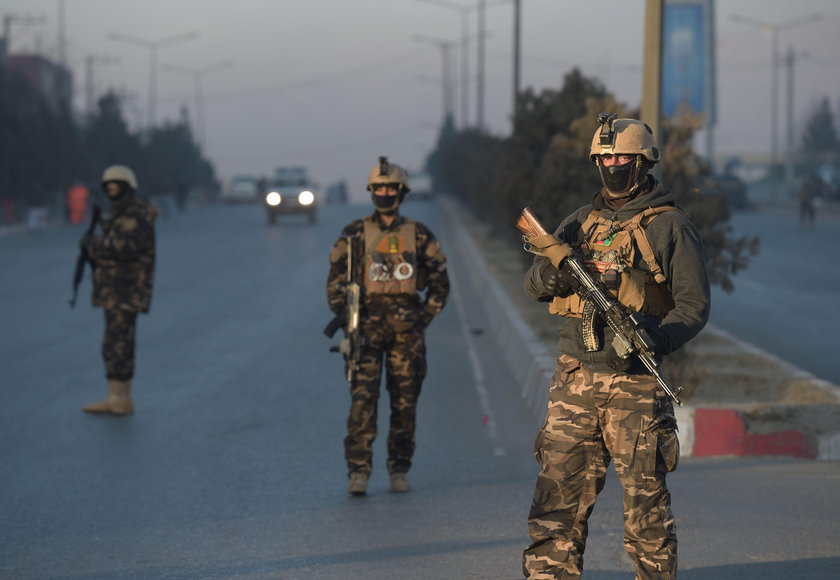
<point>431,266</point>
<point>123,256</point>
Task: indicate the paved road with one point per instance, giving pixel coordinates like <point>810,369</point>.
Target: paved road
<point>232,465</point>
<point>786,300</point>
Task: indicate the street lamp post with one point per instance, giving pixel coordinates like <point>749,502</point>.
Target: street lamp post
<point>198,74</point>
<point>152,47</point>
<point>446,82</point>
<point>774,30</point>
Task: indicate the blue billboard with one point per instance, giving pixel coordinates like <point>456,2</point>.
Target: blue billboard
<point>687,57</point>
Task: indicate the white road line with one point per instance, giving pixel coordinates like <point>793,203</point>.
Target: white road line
<point>488,419</point>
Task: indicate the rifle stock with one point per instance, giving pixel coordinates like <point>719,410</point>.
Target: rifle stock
<point>630,335</point>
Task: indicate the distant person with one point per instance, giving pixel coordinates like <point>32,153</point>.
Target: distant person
<point>77,202</point>
<point>395,259</point>
<point>807,201</point>
<point>123,257</point>
<point>602,407</point>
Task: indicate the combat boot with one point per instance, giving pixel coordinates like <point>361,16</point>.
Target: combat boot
<point>399,483</point>
<point>118,401</point>
<point>358,483</point>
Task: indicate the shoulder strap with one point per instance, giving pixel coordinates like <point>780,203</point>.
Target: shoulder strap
<point>636,226</point>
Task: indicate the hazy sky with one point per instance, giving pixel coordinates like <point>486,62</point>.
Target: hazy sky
<point>332,84</point>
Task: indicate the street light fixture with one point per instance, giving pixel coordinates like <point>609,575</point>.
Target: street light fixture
<point>774,30</point>
<point>152,47</point>
<point>198,74</point>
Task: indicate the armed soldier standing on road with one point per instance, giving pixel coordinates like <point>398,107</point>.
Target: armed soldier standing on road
<point>123,259</point>
<point>398,258</point>
<point>601,407</point>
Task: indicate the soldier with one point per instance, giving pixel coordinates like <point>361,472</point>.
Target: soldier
<point>398,259</point>
<point>123,258</point>
<point>602,407</point>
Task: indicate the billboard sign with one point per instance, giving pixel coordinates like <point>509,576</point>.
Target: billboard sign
<point>688,57</point>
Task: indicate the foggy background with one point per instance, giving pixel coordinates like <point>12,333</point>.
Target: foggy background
<point>333,84</point>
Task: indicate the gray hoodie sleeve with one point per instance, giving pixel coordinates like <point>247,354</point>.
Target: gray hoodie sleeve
<point>684,263</point>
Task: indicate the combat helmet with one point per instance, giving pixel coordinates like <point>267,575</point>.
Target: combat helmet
<point>623,137</point>
<point>387,173</point>
<point>121,173</point>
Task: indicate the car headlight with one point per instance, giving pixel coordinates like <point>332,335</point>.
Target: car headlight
<point>306,198</point>
<point>273,198</point>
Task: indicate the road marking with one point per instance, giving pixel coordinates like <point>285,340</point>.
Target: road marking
<point>488,419</point>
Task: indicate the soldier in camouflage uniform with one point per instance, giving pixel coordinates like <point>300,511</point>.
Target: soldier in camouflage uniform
<point>123,258</point>
<point>399,258</point>
<point>601,407</point>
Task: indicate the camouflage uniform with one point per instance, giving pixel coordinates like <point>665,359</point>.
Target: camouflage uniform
<point>597,413</point>
<point>123,275</point>
<point>393,326</point>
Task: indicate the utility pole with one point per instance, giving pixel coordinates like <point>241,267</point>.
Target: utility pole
<point>90,84</point>
<point>152,47</point>
<point>774,30</point>
<point>517,57</point>
<point>651,109</point>
<point>480,81</point>
<point>464,12</point>
<point>62,37</point>
<point>446,71</point>
<point>790,168</point>
<point>198,76</point>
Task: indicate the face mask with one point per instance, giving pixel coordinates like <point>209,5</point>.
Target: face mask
<point>622,180</point>
<point>386,204</point>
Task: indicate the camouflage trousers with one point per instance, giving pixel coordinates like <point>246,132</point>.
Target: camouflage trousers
<point>593,418</point>
<point>405,368</point>
<point>118,346</point>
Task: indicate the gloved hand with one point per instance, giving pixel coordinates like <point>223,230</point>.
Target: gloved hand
<point>652,325</point>
<point>554,281</point>
<point>618,364</point>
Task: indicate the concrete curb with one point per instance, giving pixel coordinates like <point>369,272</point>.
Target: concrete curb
<point>703,431</point>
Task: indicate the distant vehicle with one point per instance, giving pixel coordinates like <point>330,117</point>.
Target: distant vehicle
<point>243,188</point>
<point>290,191</point>
<point>421,185</point>
<point>732,188</point>
<point>337,193</point>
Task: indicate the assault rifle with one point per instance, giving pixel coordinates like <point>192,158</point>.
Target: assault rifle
<point>351,345</point>
<point>83,258</point>
<point>631,337</point>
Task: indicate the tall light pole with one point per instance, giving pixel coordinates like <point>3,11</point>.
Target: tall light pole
<point>464,12</point>
<point>774,30</point>
<point>517,56</point>
<point>198,74</point>
<point>446,73</point>
<point>90,86</point>
<point>152,47</point>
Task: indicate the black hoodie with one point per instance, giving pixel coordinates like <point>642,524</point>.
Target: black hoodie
<point>678,250</point>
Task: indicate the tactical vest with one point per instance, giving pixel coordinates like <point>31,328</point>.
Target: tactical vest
<point>609,249</point>
<point>390,260</point>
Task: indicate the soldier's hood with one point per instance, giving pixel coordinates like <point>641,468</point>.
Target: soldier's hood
<point>655,196</point>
